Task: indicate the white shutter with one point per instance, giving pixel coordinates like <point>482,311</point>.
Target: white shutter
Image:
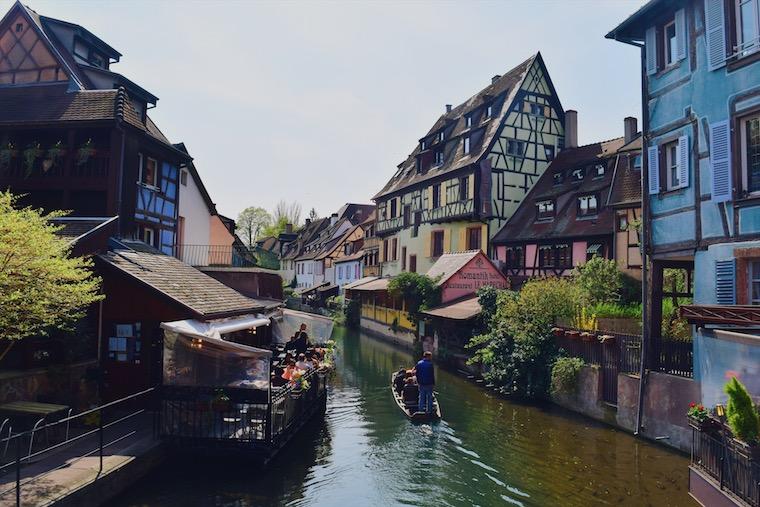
<point>715,34</point>
<point>651,50</point>
<point>683,161</point>
<point>681,33</point>
<point>725,282</point>
<point>653,163</point>
<point>720,161</point>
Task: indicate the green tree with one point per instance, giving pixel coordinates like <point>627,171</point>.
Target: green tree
<point>518,348</point>
<point>419,292</point>
<point>41,287</point>
<point>275,228</point>
<point>251,222</point>
<point>741,412</point>
<point>601,279</point>
<point>290,212</point>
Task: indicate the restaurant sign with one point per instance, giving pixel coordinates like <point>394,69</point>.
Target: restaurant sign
<point>477,273</point>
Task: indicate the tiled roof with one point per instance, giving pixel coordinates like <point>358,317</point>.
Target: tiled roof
<point>462,309</point>
<point>172,278</point>
<point>523,224</point>
<point>73,228</point>
<point>626,188</point>
<point>448,264</point>
<point>348,258</point>
<point>499,94</point>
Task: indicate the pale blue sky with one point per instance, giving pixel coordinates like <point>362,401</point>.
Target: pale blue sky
<point>319,101</point>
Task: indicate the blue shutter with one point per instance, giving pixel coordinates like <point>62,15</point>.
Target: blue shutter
<point>681,33</point>
<point>683,161</point>
<point>725,282</point>
<point>650,44</point>
<point>653,162</point>
<point>715,34</point>
<point>720,161</point>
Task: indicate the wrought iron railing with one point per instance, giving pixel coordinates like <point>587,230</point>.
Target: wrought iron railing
<point>216,255</point>
<point>673,356</point>
<point>732,467</point>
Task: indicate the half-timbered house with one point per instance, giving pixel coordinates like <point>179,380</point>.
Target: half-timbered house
<point>471,170</point>
<point>571,214</point>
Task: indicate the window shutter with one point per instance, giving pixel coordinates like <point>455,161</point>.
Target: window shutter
<point>429,245</point>
<point>430,197</point>
<point>715,34</point>
<point>683,161</point>
<point>653,160</point>
<point>447,241</point>
<point>681,33</point>
<point>651,50</point>
<point>484,238</point>
<point>443,194</point>
<point>720,161</point>
<point>462,240</point>
<point>725,282</point>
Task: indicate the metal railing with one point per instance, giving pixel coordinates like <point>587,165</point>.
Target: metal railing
<point>673,356</point>
<point>121,410</point>
<point>722,458</point>
<point>216,255</point>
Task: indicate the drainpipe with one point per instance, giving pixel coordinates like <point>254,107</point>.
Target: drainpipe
<point>644,237</point>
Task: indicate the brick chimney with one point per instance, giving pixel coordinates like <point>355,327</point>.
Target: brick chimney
<point>448,108</point>
<point>289,228</point>
<point>571,128</point>
<point>495,78</point>
<point>307,221</point>
<point>631,128</point>
<point>333,219</point>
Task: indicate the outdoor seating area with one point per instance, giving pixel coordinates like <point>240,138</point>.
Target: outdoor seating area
<point>217,390</point>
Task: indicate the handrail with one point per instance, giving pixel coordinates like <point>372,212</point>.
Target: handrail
<point>7,440</point>
<point>31,439</point>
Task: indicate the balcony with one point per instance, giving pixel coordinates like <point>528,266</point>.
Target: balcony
<point>216,256</point>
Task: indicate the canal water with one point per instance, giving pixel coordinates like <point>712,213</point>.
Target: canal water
<point>486,451</point>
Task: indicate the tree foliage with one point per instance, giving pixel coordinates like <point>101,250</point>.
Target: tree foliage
<point>419,292</point>
<point>601,279</point>
<point>741,412</point>
<point>565,374</point>
<point>251,223</point>
<point>289,212</point>
<point>41,286</point>
<point>518,348</point>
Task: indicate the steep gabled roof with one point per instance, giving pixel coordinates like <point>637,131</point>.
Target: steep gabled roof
<point>499,94</point>
<point>171,278</point>
<point>626,185</point>
<point>198,181</point>
<point>448,264</point>
<point>524,226</point>
<point>72,229</point>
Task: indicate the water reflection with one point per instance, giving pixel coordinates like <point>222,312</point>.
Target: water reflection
<point>485,452</point>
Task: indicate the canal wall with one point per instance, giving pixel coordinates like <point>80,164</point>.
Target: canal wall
<point>381,330</point>
<point>666,399</point>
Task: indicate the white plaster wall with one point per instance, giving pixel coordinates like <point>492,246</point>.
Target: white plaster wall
<point>192,207</point>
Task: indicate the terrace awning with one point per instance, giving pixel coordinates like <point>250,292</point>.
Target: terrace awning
<point>214,329</point>
<point>462,309</point>
<point>594,248</point>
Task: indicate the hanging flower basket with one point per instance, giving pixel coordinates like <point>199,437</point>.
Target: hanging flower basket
<point>7,153</point>
<point>607,339</point>
<point>573,335</point>
<point>31,154</point>
<point>587,337</point>
<point>86,151</point>
<point>53,156</point>
<point>558,332</point>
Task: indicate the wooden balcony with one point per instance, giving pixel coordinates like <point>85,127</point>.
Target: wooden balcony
<point>721,314</point>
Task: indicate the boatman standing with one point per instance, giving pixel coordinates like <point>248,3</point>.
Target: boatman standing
<point>426,382</point>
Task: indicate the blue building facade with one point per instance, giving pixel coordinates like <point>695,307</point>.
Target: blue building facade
<point>701,95</point>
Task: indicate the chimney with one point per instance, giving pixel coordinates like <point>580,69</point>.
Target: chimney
<point>448,108</point>
<point>289,228</point>
<point>571,128</point>
<point>333,218</point>
<point>631,128</point>
<point>495,78</point>
<point>307,221</point>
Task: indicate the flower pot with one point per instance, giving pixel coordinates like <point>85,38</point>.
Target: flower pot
<point>607,339</point>
<point>573,335</point>
<point>708,425</point>
<point>587,337</point>
<point>558,332</point>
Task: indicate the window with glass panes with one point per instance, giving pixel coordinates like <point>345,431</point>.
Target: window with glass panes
<point>754,283</point>
<point>473,238</point>
<point>437,246</point>
<point>671,166</point>
<point>747,26</point>
<point>587,205</point>
<point>751,153</point>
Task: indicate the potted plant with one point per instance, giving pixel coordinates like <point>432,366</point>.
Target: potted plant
<point>742,418</point>
<point>588,336</point>
<point>7,153</point>
<point>54,155</point>
<point>31,154</point>
<point>699,418</point>
<point>85,151</point>
<point>221,402</point>
<point>558,332</point>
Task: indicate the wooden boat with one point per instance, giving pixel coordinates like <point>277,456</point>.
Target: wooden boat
<point>410,409</point>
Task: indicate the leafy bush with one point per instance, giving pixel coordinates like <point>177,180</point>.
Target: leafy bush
<point>419,292</point>
<point>601,279</point>
<point>741,412</point>
<point>630,290</point>
<point>518,347</point>
<point>584,319</point>
<point>615,310</point>
<point>565,374</point>
<point>352,313</point>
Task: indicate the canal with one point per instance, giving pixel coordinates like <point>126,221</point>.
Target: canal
<point>486,451</point>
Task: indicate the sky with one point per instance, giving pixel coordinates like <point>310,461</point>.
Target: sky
<point>318,102</point>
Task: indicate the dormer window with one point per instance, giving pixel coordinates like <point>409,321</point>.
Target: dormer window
<point>599,170</point>
<point>439,157</point>
<point>441,136</point>
<point>545,210</point>
<point>418,164</point>
<point>467,145</point>
<point>637,162</point>
<point>489,111</point>
<point>587,205</point>
<point>578,174</point>
<point>468,121</point>
<point>559,177</point>
<point>423,145</point>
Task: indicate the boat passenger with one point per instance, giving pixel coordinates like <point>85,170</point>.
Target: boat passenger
<point>287,374</point>
<point>426,381</point>
<point>410,392</point>
<point>303,364</point>
<point>398,380</point>
<point>302,341</point>
<point>291,345</point>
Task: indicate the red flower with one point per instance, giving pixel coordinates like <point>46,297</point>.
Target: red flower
<point>692,405</point>
<point>701,407</point>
